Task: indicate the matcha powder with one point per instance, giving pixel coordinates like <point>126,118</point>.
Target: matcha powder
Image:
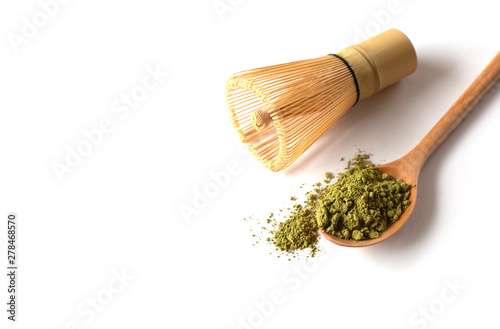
<point>359,205</point>
<point>362,203</point>
<point>299,231</point>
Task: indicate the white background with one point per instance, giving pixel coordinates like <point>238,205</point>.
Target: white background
<point>117,211</point>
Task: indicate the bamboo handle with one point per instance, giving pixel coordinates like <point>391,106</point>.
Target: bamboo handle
<point>457,112</point>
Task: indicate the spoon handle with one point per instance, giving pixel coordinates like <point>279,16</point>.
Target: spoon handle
<point>457,112</point>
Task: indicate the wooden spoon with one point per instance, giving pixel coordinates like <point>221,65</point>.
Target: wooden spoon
<point>409,166</point>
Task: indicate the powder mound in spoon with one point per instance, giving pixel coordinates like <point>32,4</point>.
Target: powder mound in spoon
<point>362,203</point>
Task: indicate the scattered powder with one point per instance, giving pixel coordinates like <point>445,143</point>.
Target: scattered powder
<point>299,231</point>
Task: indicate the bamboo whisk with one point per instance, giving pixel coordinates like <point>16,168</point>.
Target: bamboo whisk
<point>283,109</point>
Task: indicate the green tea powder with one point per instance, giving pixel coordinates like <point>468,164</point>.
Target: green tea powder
<point>299,231</point>
<point>362,203</point>
<point>359,205</point>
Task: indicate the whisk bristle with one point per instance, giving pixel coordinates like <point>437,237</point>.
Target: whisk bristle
<point>281,110</point>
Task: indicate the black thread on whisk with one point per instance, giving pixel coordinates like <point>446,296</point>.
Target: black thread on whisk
<point>352,72</point>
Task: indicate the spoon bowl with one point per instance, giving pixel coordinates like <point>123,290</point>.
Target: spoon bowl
<point>409,166</point>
